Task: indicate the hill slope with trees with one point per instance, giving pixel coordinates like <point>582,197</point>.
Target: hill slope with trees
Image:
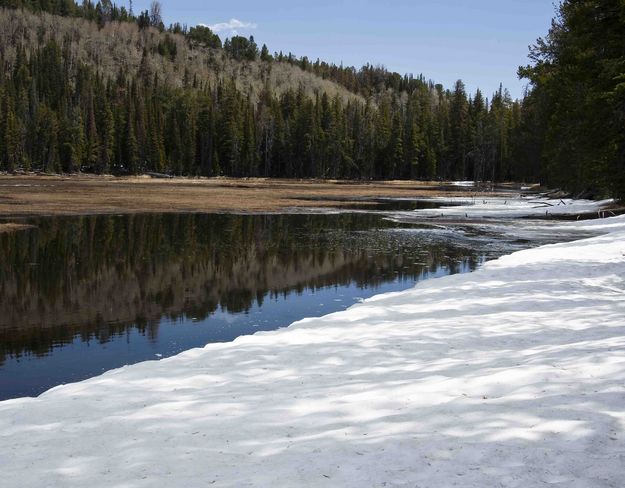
<point>92,87</point>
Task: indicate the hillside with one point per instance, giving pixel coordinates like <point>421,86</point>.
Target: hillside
<point>97,89</point>
<point>122,46</point>
<point>126,97</point>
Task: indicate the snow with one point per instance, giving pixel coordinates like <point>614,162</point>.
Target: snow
<point>463,183</point>
<point>513,376</point>
<point>512,207</point>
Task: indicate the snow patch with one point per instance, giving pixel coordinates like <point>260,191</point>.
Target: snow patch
<point>463,183</point>
<point>513,207</point>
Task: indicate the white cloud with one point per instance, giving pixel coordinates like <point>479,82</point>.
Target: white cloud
<point>232,26</point>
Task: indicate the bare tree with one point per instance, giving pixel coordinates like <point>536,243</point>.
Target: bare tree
<point>156,14</point>
<point>107,9</point>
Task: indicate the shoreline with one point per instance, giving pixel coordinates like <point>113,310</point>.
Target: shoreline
<point>28,196</point>
<point>462,376</point>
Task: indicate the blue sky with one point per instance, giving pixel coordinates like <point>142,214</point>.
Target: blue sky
<point>481,41</point>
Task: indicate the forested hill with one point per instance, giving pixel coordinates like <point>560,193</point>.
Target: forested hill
<point>92,87</point>
<point>84,91</point>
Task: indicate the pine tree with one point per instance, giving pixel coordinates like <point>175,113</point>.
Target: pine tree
<point>11,130</point>
<point>107,147</point>
<point>47,139</point>
<point>205,137</point>
<point>397,147</point>
<point>264,54</point>
<point>131,150</point>
<point>383,159</point>
<point>156,151</point>
<point>92,146</point>
<point>578,95</point>
<point>231,137</point>
<point>72,143</point>
<point>459,131</point>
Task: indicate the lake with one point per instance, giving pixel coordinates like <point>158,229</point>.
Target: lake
<point>82,295</point>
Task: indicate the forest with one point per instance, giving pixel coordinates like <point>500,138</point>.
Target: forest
<point>96,88</point>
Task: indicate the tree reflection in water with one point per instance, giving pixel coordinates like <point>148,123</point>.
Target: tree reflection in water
<point>96,279</point>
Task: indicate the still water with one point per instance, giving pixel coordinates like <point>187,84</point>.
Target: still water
<point>82,295</point>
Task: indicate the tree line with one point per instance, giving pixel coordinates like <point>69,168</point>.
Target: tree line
<point>53,119</point>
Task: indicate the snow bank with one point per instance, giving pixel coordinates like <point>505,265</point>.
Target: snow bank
<point>512,207</point>
<point>510,376</point>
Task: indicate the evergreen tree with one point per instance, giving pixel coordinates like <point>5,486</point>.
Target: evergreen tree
<point>578,95</point>
<point>72,143</point>
<point>130,150</point>
<point>11,130</point>
<point>264,54</point>
<point>396,147</point>
<point>46,149</point>
<point>459,131</point>
<point>107,146</point>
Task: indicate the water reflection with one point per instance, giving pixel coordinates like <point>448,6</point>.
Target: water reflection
<point>82,287</point>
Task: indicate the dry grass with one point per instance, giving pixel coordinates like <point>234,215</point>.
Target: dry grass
<point>84,194</point>
<point>13,227</point>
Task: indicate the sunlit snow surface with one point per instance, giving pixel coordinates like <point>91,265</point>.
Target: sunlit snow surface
<point>512,207</point>
<point>513,376</point>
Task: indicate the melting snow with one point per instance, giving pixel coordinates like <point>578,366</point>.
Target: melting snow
<point>513,207</point>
